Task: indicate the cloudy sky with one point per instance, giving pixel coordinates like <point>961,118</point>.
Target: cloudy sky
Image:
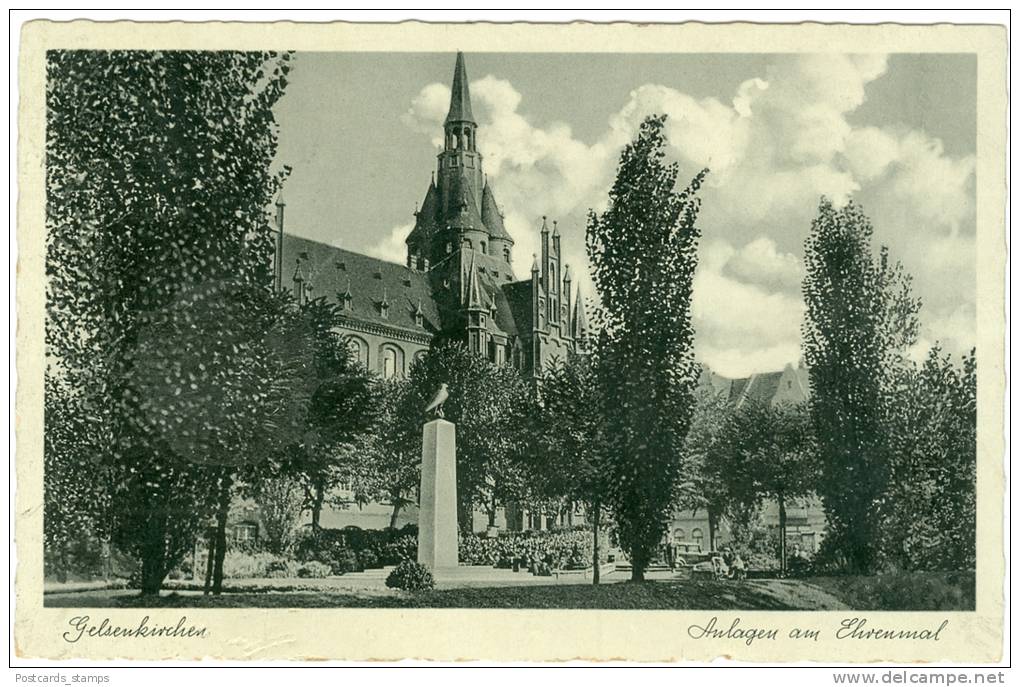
<point>894,132</point>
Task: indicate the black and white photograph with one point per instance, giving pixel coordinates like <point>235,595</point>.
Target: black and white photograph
<point>460,328</point>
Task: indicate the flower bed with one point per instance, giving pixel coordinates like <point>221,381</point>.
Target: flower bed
<point>537,551</point>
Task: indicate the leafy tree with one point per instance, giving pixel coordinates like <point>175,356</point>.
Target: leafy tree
<point>390,468</point>
<point>860,319</point>
<point>158,181</point>
<point>76,493</point>
<point>705,449</point>
<point>770,454</point>
<point>343,406</point>
<point>929,512</point>
<point>572,459</point>
<point>488,403</point>
<point>643,251</point>
<point>280,500</point>
<point>222,378</point>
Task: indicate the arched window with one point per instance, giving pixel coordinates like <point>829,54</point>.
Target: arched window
<point>697,536</point>
<point>506,255</point>
<point>359,349</point>
<point>389,363</point>
<point>679,534</point>
<point>481,247</point>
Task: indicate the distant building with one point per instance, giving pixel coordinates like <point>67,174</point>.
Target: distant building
<point>456,284</point>
<point>805,518</point>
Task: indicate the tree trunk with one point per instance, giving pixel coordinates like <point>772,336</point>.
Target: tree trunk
<point>152,576</point>
<point>221,531</point>
<point>639,557</point>
<point>713,526</point>
<point>492,511</point>
<point>318,496</point>
<point>465,518</point>
<point>782,534</point>
<point>396,511</point>
<point>62,565</point>
<point>153,554</point>
<point>209,561</point>
<point>595,516</point>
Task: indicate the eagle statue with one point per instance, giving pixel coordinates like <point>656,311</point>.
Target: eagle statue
<point>436,404</point>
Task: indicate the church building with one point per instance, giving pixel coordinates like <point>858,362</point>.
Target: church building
<point>457,283</point>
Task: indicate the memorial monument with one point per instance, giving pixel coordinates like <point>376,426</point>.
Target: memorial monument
<point>437,511</point>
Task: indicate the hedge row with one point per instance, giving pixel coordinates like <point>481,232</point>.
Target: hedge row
<point>558,550</point>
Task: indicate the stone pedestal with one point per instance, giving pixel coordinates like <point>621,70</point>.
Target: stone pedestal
<point>437,510</point>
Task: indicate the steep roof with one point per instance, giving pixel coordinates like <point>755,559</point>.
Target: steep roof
<point>762,387</point>
<point>492,217</point>
<point>460,95</point>
<point>503,317</point>
<point>330,271</point>
<point>715,383</point>
<point>425,220</point>
<point>518,300</point>
<point>463,210</point>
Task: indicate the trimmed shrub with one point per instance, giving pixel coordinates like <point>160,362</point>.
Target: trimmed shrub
<point>314,569</point>
<point>324,545</point>
<point>368,559</point>
<point>411,577</point>
<point>346,561</point>
<point>404,548</point>
<point>281,567</point>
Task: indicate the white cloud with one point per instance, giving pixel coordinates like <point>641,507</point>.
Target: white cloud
<point>870,151</point>
<point>427,109</point>
<point>782,140</point>
<point>745,327</point>
<point>759,262</point>
<point>392,248</point>
<point>954,332</point>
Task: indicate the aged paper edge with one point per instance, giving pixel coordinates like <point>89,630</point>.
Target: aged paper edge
<point>510,635</point>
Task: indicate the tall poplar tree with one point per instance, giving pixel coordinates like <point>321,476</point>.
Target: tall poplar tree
<point>643,252</point>
<point>860,319</point>
<point>158,180</point>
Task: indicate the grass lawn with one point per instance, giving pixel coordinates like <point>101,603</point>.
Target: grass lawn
<point>777,595</point>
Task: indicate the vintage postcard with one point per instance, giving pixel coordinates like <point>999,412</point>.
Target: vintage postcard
<point>521,342</point>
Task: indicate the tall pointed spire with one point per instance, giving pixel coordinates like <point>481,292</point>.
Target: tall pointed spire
<point>580,324</point>
<point>460,95</point>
